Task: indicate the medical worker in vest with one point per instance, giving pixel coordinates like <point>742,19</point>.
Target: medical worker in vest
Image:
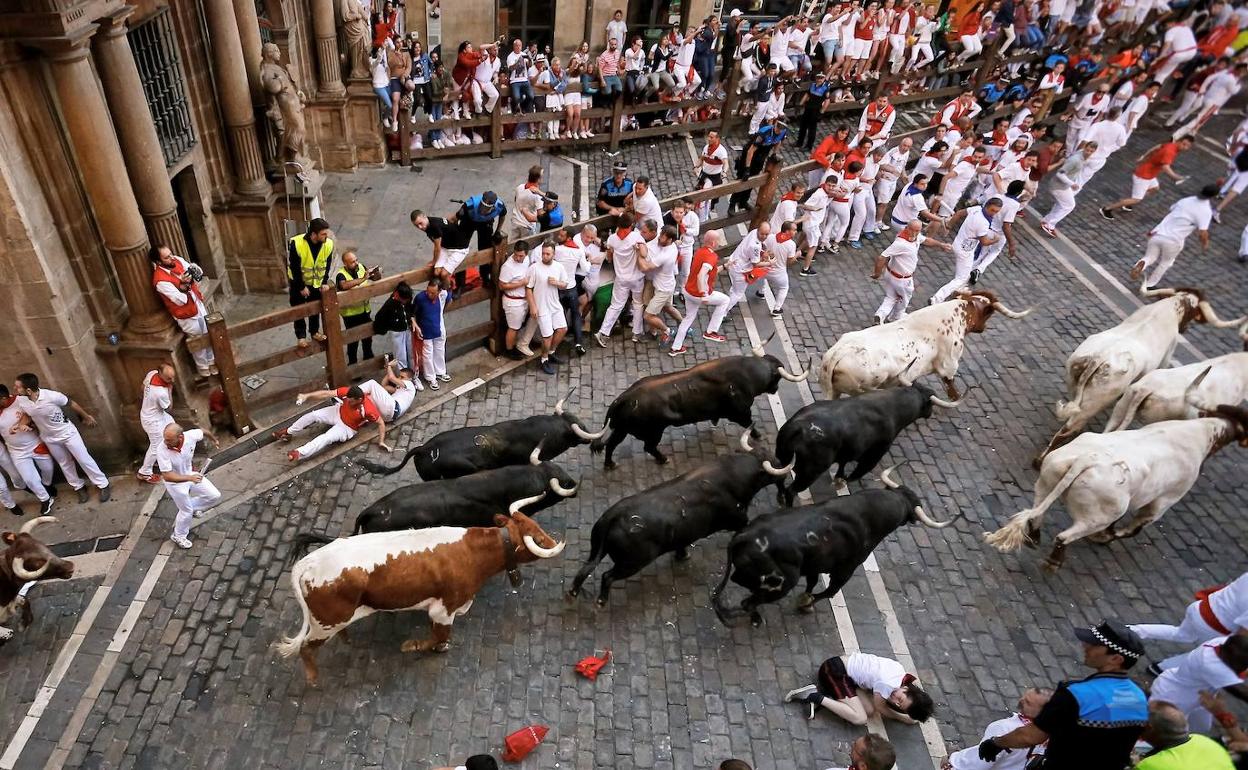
<point>175,282</point>
<point>353,275</point>
<point>308,261</point>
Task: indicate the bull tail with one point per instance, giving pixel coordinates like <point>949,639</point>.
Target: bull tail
<point>1014,534</point>
<point>303,542</point>
<point>288,646</point>
<point>1069,409</point>
<point>597,445</point>
<point>1125,409</point>
<point>827,378</point>
<point>383,470</point>
<point>725,613</point>
<point>597,550</point>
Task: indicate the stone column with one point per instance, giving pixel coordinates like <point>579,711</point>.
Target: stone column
<point>232,93</point>
<point>140,146</point>
<point>329,66</point>
<point>103,169</point>
<point>249,33</point>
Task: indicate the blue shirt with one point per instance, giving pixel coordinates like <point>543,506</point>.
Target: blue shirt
<point>473,208</point>
<point>428,313</point>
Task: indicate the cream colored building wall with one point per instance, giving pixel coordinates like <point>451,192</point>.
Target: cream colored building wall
<point>471,20</point>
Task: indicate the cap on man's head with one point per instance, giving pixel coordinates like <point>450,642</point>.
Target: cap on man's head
<point>1114,635</point>
<point>489,197</point>
<point>619,166</point>
<point>735,12</point>
<point>550,196</point>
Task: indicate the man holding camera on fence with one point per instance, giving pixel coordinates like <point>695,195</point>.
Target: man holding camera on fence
<point>176,281</point>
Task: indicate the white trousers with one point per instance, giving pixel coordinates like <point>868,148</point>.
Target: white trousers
<point>719,304</point>
<point>1074,131</point>
<point>1186,107</point>
<point>155,437</point>
<point>1172,63</point>
<point>1191,630</point>
<point>921,55</point>
<point>963,262</point>
<point>621,292</point>
<point>897,294</point>
<point>67,453</point>
<point>971,46</point>
<point>198,327</point>
<point>433,358</point>
<point>402,342</point>
<point>190,497</point>
<point>1205,110</point>
<point>778,279</point>
<point>736,292</point>
<point>989,254</point>
<point>1159,256</point>
<point>862,205</point>
<point>838,221</point>
<point>896,51</point>
<point>36,474</point>
<point>10,468</point>
<point>338,430</point>
<point>486,88</point>
<point>1063,204</point>
<point>1243,242</point>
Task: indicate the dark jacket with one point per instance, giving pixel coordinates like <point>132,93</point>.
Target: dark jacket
<point>393,316</point>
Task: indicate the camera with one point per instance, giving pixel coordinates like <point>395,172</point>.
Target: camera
<point>196,272</point>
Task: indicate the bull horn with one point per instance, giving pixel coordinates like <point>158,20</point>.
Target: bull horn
<point>887,477</point>
<point>1212,319</point>
<point>903,378</point>
<point>1005,311</point>
<point>1147,292</point>
<point>560,402</point>
<point>758,351</point>
<point>585,435</point>
<point>28,526</point>
<point>928,520</point>
<point>745,440</point>
<point>795,377</point>
<point>938,401</point>
<point>1190,390</point>
<point>540,552</point>
<point>517,505</point>
<point>774,471</point>
<point>535,457</point>
<point>561,491</point>
<point>19,569</point>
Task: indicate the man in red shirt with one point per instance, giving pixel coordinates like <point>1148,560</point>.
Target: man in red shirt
<point>1153,164</point>
<point>353,412</point>
<point>700,290</point>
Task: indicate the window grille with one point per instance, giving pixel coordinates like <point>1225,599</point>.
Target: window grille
<point>155,53</point>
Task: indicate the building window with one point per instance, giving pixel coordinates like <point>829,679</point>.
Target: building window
<point>266,26</point>
<point>649,19</point>
<point>152,42</point>
<point>530,20</point>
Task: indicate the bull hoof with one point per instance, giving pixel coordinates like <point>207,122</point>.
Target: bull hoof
<point>571,595</point>
<point>1036,462</point>
<point>1102,538</point>
<point>609,465</point>
<point>1051,566</point>
<point>756,619</point>
<point>600,603</point>
<point>661,460</point>
<point>443,647</point>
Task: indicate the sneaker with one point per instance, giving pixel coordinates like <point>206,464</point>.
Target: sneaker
<point>974,279</point>
<point>433,384</point>
<point>1107,213</point>
<point>1126,209</point>
<point>677,352</point>
<point>17,511</point>
<point>714,337</point>
<point>416,382</point>
<point>197,514</point>
<point>525,350</point>
<point>601,340</point>
<point>83,496</point>
<point>182,542</point>
<point>836,248</point>
<point>413,119</point>
<point>437,143</point>
<point>555,359</point>
<point>777,312</point>
<point>855,244</point>
<point>45,507</point>
<point>281,434</point>
<point>293,456</point>
<point>1153,670</point>
<point>580,349</point>
<point>444,377</point>
<point>878,321</point>
<point>823,248</point>
<point>869,236</point>
<point>514,355</point>
<point>807,271</point>
<point>106,494</point>
<point>386,124</point>
<point>1137,270</point>
<point>1048,229</point>
<point>636,338</point>
<point>319,337</point>
<point>546,366</point>
<point>885,227</point>
<point>800,693</point>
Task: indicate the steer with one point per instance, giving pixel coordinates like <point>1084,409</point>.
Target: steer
<point>716,390</point>
<point>930,340</point>
<point>777,549</point>
<point>1172,394</point>
<point>462,451</point>
<point>859,429</point>
<point>1102,476</point>
<point>1105,364</point>
<point>675,514</point>
<point>438,570</point>
<point>26,560</point>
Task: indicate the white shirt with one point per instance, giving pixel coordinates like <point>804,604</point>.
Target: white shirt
<point>879,675</point>
<point>593,255</point>
<point>923,29</point>
<point>619,31</point>
<point>958,179</point>
<point>1186,216</point>
<point>747,254</point>
<point>713,160</point>
<point>974,227</point>
<point>779,46</point>
<point>178,460</point>
<point>488,68</point>
<point>927,165</point>
<point>403,395</point>
<point>663,276</point>
<point>572,257</point>
<point>798,39</point>
<point>47,415</point>
<point>817,206</point>
<point>1122,95</point>
<point>1179,41</point>
<point>684,53</point>
<point>518,67</point>
<point>909,205</point>
<point>647,207</point>
<point>895,158</point>
<point>1010,173</point>
<point>21,444</point>
<point>1090,107</point>
<point>786,211</point>
<point>690,227</point>
<point>526,200</point>
<point>829,28</point>
<point>902,256</point>
<point>545,295</point>
<point>510,272</point>
<point>781,253</point>
<point>1109,136</point>
<point>968,758</point>
<point>1007,214</point>
<point>156,400</point>
<point>1130,117</point>
<point>1229,603</point>
<point>381,71</point>
<point>1219,87</point>
<point>624,255</point>
<point>1200,669</point>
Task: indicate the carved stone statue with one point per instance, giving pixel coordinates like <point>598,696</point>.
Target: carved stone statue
<point>285,107</point>
<point>355,29</point>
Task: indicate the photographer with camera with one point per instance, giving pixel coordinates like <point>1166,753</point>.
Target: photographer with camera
<point>353,275</point>
<point>176,281</point>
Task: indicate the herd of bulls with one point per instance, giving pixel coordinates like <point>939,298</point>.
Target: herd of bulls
<point>432,545</point>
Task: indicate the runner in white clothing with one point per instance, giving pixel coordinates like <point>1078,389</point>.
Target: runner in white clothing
<point>1003,228</point>
<point>395,393</point>
<point>660,264</point>
<point>974,234</point>
<point>629,280</point>
<point>1217,611</point>
<point>154,415</point>
<point>1029,705</point>
<point>895,267</point>
<point>963,174</point>
<point>190,491</point>
<point>1215,92</point>
<point>749,252</point>
<point>44,408</point>
<point>813,211</point>
<point>1191,214</point>
<point>892,170</point>
<point>1178,47</point>
<point>1109,135</point>
<point>783,250</point>
<point>31,461</point>
<point>1218,664</point>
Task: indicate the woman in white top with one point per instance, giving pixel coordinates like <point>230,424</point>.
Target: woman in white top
<point>381,82</point>
<point>859,685</point>
<point>634,63</point>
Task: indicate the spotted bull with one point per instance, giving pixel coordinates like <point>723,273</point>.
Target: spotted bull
<point>1174,394</point>
<point>25,560</point>
<point>438,570</point>
<point>723,389</point>
<point>675,514</point>
<point>832,538</point>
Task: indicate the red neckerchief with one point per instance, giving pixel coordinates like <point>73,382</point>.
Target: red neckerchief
<point>571,244</point>
<point>532,186</point>
<point>158,382</point>
<point>1097,96</point>
<point>623,232</point>
<point>790,196</point>
<point>1000,138</point>
<point>784,237</point>
<point>902,235</point>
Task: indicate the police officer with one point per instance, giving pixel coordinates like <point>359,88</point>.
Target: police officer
<point>353,275</point>
<point>753,158</point>
<point>551,215</point>
<point>1092,722</point>
<point>482,214</point>
<point>308,260</point>
<point>614,190</point>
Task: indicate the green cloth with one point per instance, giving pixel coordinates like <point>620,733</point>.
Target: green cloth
<point>1196,753</point>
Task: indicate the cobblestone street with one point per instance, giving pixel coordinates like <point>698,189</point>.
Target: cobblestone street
<point>192,682</point>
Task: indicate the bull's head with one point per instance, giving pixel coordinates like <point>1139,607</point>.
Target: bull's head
<point>28,559</point>
<point>919,513</point>
<point>575,424</point>
<point>930,399</point>
<point>766,459</point>
<point>1193,307</point>
<point>1237,425</point>
<point>528,541</point>
<point>978,307</point>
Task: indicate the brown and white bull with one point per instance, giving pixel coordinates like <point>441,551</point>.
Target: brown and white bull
<point>927,341</point>
<point>25,560</point>
<point>1105,364</point>
<point>1176,394</point>
<point>438,570</point>
<point>1102,476</point>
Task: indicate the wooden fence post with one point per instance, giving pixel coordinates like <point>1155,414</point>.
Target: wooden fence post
<point>335,352</point>
<point>731,97</point>
<point>496,132</point>
<point>405,137</point>
<point>990,60</point>
<point>617,114</point>
<point>219,337</point>
<point>498,338</point>
<point>767,193</point>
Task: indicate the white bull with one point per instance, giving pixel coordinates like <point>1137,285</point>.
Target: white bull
<point>930,340</point>
<point>1176,394</point>
<point>1105,364</point>
<point>1102,476</point>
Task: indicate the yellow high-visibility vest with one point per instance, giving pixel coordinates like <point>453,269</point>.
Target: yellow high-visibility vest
<point>358,308</point>
<point>312,267</point>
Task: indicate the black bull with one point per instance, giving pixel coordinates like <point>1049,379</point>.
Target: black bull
<point>675,514</point>
<point>716,390</point>
<point>462,451</point>
<point>859,429</point>
<point>778,549</point>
